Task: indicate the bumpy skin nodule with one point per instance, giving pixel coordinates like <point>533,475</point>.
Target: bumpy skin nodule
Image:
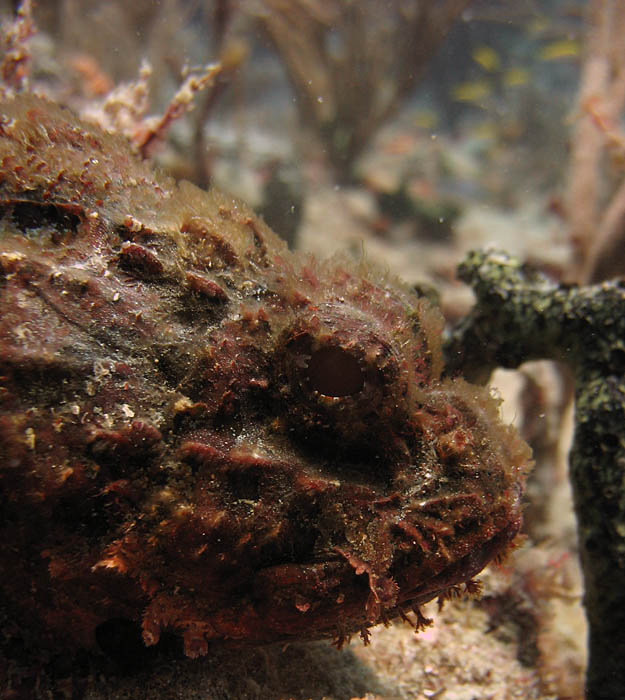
<point>203,433</point>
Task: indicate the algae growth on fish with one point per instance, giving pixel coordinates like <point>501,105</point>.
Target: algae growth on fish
<point>205,434</point>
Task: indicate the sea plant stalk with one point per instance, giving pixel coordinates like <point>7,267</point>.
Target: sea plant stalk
<point>520,315</point>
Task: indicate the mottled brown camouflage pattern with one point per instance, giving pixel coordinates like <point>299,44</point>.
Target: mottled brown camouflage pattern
<point>204,433</point>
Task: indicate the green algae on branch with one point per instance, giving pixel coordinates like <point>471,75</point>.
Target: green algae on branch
<point>520,315</point>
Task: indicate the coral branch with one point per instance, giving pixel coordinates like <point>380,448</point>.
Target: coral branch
<point>125,109</point>
<point>601,100</point>
<point>179,104</point>
<point>15,66</point>
<point>351,64</point>
<point>520,315</point>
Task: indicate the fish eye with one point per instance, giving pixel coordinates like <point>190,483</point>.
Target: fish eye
<point>333,371</point>
<point>339,374</point>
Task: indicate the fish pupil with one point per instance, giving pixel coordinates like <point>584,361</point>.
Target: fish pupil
<point>333,371</point>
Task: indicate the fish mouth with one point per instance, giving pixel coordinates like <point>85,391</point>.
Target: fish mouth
<point>266,533</point>
<point>321,546</point>
<point>252,536</point>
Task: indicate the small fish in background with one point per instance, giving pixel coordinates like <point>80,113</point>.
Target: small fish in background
<point>486,57</point>
<point>475,91</point>
<point>485,131</point>
<point>515,77</point>
<point>556,50</point>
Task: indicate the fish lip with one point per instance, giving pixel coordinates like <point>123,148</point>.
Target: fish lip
<point>464,569</point>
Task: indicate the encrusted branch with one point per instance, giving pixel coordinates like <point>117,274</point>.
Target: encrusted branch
<point>520,315</point>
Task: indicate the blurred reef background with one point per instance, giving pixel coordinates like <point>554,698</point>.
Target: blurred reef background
<point>409,132</point>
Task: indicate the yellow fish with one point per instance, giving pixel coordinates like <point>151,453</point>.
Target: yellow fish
<point>486,131</point>
<point>515,77</point>
<point>471,91</point>
<point>564,48</point>
<point>486,57</point>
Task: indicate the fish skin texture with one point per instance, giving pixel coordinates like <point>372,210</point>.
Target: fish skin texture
<point>206,434</point>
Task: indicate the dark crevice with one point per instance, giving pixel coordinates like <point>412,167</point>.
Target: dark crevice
<point>33,218</point>
<point>244,485</point>
<point>121,641</point>
<point>91,517</point>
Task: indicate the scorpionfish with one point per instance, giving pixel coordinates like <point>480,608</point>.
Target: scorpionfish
<point>205,434</point>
